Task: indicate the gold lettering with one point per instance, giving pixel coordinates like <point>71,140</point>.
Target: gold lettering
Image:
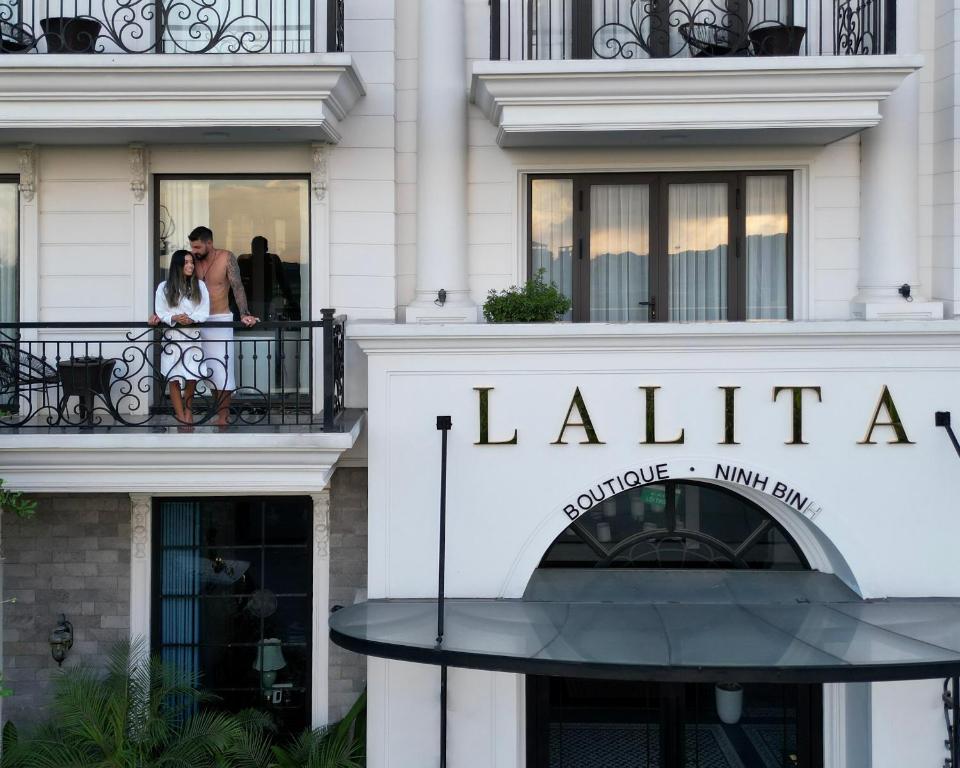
<point>886,402</point>
<point>650,393</point>
<point>729,393</point>
<point>584,422</point>
<point>797,410</point>
<point>484,393</point>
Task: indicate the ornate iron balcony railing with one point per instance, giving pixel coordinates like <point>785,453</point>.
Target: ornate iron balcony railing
<point>167,26</point>
<point>117,376</point>
<point>652,29</point>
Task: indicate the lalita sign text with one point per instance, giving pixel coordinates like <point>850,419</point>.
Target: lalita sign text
<point>884,418</point>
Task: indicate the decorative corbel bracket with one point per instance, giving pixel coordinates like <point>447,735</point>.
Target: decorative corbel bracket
<point>138,171</point>
<point>27,161</point>
<point>321,172</point>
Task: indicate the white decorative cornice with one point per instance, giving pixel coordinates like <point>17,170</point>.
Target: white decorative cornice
<point>798,100</point>
<point>139,525</point>
<point>253,462</point>
<point>284,97</point>
<point>138,171</point>
<point>28,171</point>
<point>321,173</point>
<point>321,523</point>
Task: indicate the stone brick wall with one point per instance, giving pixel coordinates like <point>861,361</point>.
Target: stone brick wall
<point>348,574</point>
<point>72,557</point>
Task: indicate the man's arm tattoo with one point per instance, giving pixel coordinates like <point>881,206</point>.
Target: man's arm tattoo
<point>236,284</point>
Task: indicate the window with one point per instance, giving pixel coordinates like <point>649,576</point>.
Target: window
<point>675,525</point>
<point>233,599</point>
<point>677,247</point>
<point>264,221</point>
<point>9,251</point>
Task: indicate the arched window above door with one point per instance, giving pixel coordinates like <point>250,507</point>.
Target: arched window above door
<point>675,524</point>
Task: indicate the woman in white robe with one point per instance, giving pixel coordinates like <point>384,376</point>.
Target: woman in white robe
<point>182,300</point>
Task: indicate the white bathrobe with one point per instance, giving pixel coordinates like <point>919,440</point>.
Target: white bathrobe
<point>182,356</point>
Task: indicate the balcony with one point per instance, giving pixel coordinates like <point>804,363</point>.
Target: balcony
<point>129,70</point>
<point>687,72</point>
<point>119,404</point>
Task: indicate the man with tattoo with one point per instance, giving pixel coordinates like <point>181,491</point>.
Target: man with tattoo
<point>219,270</point>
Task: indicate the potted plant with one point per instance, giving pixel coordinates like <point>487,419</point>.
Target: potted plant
<point>70,34</point>
<point>729,700</point>
<point>535,302</point>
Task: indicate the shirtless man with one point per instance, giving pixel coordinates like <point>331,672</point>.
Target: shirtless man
<point>220,272</point>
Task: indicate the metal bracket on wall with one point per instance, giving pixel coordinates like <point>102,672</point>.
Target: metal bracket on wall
<point>942,419</point>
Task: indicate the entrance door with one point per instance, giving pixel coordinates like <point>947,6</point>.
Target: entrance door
<point>579,723</point>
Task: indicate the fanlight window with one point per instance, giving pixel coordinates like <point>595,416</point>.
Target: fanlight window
<point>675,525</point>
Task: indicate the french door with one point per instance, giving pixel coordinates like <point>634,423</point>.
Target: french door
<point>680,247</point>
<point>579,723</point>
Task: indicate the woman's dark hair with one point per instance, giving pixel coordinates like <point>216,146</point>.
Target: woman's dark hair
<point>178,284</point>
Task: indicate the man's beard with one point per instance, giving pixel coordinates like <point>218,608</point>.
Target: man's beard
<point>200,256</point>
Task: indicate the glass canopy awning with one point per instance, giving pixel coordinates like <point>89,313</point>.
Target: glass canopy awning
<point>706,626</point>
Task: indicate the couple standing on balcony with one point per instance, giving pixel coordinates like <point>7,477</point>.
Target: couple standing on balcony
<point>197,289</point>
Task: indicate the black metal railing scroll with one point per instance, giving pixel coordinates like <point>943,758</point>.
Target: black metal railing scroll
<point>166,26</point>
<point>656,29</point>
<point>114,376</point>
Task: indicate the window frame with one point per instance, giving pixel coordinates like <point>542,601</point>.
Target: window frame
<point>155,593</point>
<point>306,312</point>
<point>659,274</point>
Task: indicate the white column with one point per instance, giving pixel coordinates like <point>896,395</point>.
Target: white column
<point>140,567</point>
<point>889,198</point>
<point>442,166</point>
<point>320,684</point>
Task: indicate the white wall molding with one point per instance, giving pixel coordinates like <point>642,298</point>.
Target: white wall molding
<point>133,97</point>
<point>29,180</point>
<point>716,338</point>
<point>27,162</point>
<point>138,159</point>
<point>321,608</point>
<point>207,464</point>
<point>141,522</point>
<point>797,100</point>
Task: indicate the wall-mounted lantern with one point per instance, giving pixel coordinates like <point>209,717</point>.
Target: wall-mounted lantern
<point>61,640</point>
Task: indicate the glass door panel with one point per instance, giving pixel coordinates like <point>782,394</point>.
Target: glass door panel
<point>767,225</point>
<point>620,253</point>
<point>551,232</point>
<point>698,241</point>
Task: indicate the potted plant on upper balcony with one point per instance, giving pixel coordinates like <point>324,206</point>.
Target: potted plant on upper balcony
<point>70,34</point>
<point>536,302</point>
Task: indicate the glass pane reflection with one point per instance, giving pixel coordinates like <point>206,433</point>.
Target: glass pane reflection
<point>619,253</point>
<point>551,232</point>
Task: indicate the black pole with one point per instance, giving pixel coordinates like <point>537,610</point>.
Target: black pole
<point>443,716</point>
<point>444,424</point>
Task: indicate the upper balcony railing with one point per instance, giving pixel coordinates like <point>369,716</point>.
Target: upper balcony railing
<point>657,29</point>
<point>167,26</point>
<point>121,376</point>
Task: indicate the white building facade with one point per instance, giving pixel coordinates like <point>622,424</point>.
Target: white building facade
<point>752,207</point>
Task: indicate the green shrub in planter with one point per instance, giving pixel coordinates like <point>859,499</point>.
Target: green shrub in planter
<point>536,302</point>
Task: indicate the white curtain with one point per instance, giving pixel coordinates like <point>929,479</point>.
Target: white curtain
<point>8,253</point>
<point>766,246</point>
<point>698,234</point>
<point>551,232</point>
<point>619,253</point>
<point>550,30</point>
<point>186,204</point>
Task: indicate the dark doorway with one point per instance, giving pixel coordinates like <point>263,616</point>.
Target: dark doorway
<point>580,723</point>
